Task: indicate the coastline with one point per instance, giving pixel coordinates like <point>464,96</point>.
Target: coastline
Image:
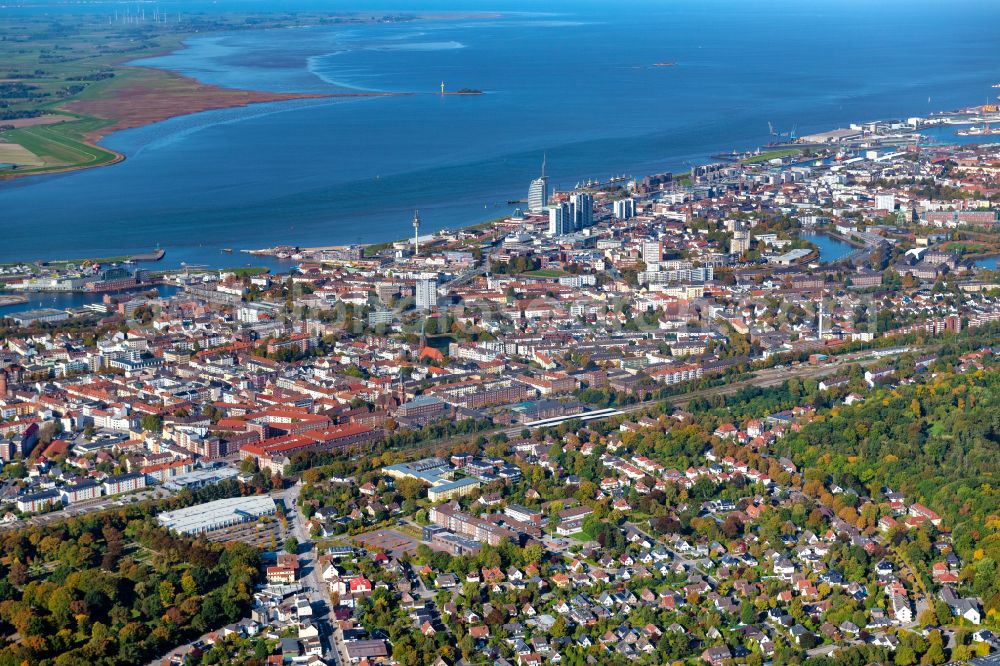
<point>159,95</point>
<point>291,230</point>
<point>136,95</point>
<point>120,95</point>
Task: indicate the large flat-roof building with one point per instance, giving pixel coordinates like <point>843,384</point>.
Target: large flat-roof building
<point>200,478</point>
<point>368,650</point>
<point>40,316</point>
<point>791,257</point>
<point>436,473</point>
<point>429,470</point>
<point>452,490</point>
<point>218,514</point>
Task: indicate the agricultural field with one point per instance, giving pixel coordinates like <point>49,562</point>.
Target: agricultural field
<point>55,147</point>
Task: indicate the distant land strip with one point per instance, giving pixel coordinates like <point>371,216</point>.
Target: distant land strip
<point>65,83</point>
<point>150,95</point>
<point>154,95</point>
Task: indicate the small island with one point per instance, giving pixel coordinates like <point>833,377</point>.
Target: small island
<point>469,91</point>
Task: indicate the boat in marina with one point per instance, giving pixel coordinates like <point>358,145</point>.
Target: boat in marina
<point>984,130</point>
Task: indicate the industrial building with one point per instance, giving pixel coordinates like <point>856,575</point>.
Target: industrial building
<point>40,316</point>
<point>200,478</point>
<point>217,515</point>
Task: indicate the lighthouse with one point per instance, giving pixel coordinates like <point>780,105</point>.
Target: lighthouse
<point>442,87</point>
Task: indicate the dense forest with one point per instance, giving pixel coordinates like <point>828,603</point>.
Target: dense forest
<point>114,588</point>
<point>938,442</point>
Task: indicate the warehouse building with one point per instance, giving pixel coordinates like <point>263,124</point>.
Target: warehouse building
<point>217,515</point>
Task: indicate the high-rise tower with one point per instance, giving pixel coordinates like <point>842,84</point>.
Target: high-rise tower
<point>583,209</point>
<point>538,191</point>
<point>561,219</point>
<point>416,233</point>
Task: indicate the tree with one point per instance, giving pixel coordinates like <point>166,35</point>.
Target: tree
<point>467,645</point>
<point>292,545</point>
<point>935,650</point>
<point>928,617</point>
<point>248,465</point>
<point>18,574</point>
<point>189,585</point>
<point>151,423</point>
<point>532,554</point>
<point>732,526</point>
<point>410,488</point>
<point>167,593</point>
<point>905,655</point>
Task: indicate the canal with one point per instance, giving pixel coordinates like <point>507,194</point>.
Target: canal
<point>63,301</point>
<point>830,249</point>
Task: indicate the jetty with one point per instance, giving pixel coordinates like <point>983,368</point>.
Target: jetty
<point>155,255</point>
<point>12,299</point>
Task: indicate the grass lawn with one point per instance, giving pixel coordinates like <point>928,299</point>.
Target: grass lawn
<point>547,273</point>
<point>246,270</point>
<point>93,260</point>
<point>966,247</point>
<point>771,155</point>
<point>375,248</point>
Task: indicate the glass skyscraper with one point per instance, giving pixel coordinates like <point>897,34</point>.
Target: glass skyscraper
<point>538,192</point>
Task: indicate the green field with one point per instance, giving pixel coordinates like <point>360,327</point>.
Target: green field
<point>547,273</point>
<point>967,247</point>
<point>247,271</point>
<point>772,155</point>
<point>60,146</point>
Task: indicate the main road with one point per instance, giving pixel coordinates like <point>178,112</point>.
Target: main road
<point>310,574</point>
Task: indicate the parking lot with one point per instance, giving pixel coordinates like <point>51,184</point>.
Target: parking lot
<point>390,542</point>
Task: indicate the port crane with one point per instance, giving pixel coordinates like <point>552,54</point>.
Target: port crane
<point>780,135</point>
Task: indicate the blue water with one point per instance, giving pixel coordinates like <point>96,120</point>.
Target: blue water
<point>945,135</point>
<point>72,300</point>
<point>576,83</point>
<point>830,249</point>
